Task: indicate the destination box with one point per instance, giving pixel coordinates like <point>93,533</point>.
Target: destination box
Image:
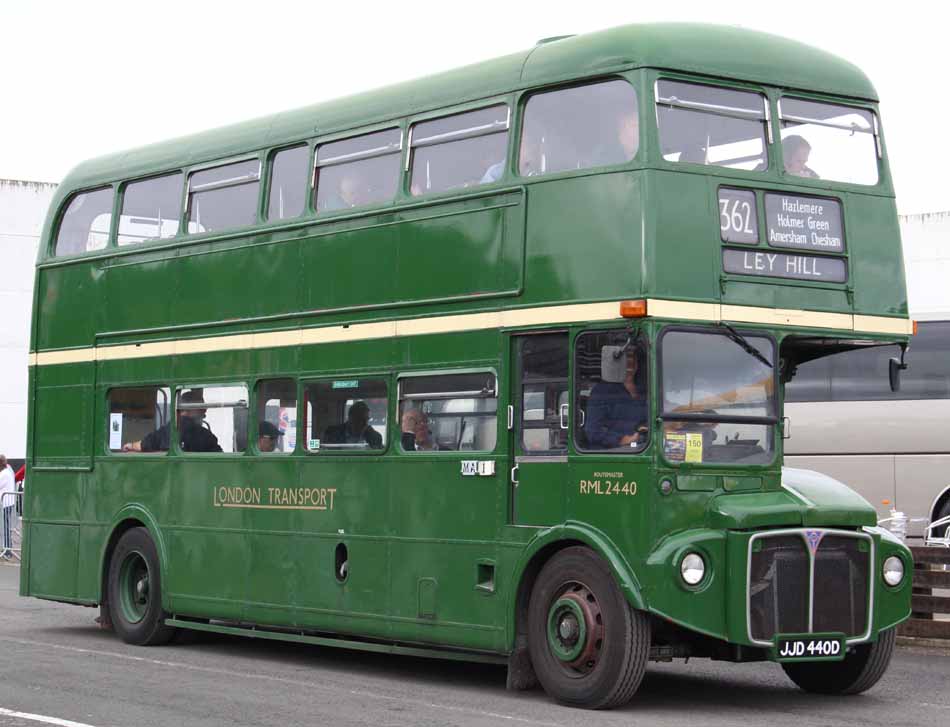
<point>804,223</point>
<point>784,265</point>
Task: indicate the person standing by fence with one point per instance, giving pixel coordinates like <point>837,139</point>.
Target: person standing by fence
<point>8,501</point>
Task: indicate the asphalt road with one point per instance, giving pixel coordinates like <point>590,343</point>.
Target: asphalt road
<point>56,664</point>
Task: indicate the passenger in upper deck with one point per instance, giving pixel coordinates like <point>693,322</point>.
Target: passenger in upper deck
<point>350,192</point>
<point>795,151</point>
<point>622,146</point>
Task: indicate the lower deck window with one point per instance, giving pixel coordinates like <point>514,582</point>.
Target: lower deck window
<point>134,413</point>
<point>448,412</point>
<point>212,419</point>
<point>346,415</point>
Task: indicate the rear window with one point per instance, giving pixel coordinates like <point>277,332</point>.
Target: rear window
<point>86,222</point>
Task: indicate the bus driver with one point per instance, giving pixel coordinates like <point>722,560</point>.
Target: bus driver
<point>617,411</point>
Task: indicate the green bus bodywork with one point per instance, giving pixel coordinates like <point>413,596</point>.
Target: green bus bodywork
<point>436,560</point>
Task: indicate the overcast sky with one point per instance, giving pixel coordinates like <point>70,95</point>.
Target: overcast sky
<point>82,79</point>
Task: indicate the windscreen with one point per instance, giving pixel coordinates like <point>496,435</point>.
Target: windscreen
<point>718,397</point>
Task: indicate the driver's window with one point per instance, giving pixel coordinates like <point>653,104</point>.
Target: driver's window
<point>611,392</point>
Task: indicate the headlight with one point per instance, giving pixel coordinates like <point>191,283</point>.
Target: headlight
<point>693,568</point>
<point>893,571</point>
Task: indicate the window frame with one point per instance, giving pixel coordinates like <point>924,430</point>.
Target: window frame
<point>268,181</point>
<point>235,182</point>
<point>771,155</point>
<point>175,442</point>
<point>61,216</point>
<point>183,195</point>
<point>402,376</point>
<point>303,443</point>
<point>652,411</point>
<point>876,132</point>
<point>773,422</point>
<point>107,410</point>
<point>509,100</point>
<point>253,430</point>
<point>525,97</point>
<point>345,135</point>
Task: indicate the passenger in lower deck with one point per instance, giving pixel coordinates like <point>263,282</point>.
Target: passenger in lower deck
<point>193,435</point>
<point>416,435</point>
<point>355,430</point>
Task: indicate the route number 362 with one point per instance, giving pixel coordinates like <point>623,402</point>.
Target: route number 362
<point>735,215</point>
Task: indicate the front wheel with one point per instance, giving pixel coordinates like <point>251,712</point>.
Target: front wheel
<point>860,670</point>
<point>589,648</point>
<point>135,591</point>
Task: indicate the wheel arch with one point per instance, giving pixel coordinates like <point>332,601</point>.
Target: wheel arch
<point>545,545</point>
<point>131,516</point>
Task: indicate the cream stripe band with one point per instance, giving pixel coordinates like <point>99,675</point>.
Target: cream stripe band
<point>656,308</point>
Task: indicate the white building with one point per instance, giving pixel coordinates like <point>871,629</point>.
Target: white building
<point>926,241</point>
<point>23,208</point>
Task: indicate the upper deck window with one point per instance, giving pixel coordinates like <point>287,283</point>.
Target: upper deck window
<point>458,151</point>
<point>150,209</point>
<point>826,141</point>
<point>358,171</point>
<point>711,125</point>
<point>576,128</point>
<point>223,197</point>
<point>288,183</point>
<point>85,224</point>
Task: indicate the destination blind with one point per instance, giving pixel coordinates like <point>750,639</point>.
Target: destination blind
<point>804,223</point>
<point>784,265</point>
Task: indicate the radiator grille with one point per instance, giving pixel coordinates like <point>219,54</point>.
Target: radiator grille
<point>778,594</point>
<point>782,569</point>
<point>841,585</point>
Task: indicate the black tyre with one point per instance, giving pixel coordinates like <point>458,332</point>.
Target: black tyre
<point>860,670</point>
<point>589,648</point>
<point>941,532</point>
<point>135,591</point>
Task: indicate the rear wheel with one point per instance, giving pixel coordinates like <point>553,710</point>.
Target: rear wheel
<point>135,591</point>
<point>860,670</point>
<point>589,648</point>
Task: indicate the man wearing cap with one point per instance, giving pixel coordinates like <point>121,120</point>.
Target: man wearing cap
<point>355,430</point>
<point>267,436</point>
<point>194,437</point>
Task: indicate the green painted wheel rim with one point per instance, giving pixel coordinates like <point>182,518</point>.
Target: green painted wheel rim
<point>133,587</point>
<point>567,629</point>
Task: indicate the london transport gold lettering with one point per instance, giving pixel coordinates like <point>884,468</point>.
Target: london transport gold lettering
<point>275,498</point>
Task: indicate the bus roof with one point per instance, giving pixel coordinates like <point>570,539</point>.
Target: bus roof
<point>721,51</point>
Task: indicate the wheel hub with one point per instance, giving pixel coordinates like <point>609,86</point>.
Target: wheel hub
<point>575,629</point>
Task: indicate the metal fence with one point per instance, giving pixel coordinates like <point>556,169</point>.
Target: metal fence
<point>11,511</point>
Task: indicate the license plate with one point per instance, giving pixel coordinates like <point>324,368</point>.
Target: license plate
<point>813,647</point>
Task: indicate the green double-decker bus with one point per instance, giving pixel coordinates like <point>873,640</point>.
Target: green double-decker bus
<point>484,366</point>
